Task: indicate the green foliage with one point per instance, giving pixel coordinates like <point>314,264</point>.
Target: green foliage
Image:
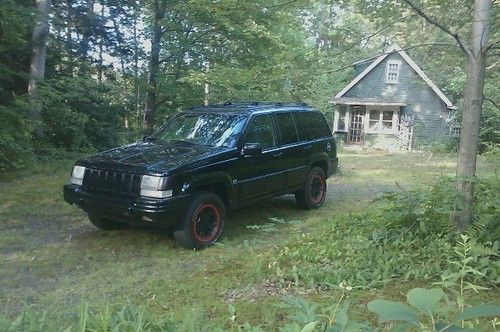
<point>426,315</point>
<point>333,318</point>
<point>111,318</point>
<point>371,249</point>
<point>444,145</point>
<point>80,114</point>
<point>15,23</point>
<point>428,301</point>
<point>15,140</point>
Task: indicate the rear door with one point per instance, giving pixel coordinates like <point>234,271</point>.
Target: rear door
<point>292,157</point>
<point>314,131</point>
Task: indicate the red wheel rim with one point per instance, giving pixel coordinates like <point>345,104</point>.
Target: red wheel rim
<point>206,222</point>
<point>317,189</point>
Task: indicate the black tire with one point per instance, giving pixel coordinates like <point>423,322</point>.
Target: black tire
<point>105,224</point>
<point>203,223</point>
<point>313,194</point>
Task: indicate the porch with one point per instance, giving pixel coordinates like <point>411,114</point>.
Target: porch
<point>372,123</point>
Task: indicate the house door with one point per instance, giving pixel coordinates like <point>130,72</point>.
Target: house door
<point>356,125</point>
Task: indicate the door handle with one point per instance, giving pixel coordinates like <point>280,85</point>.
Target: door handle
<point>278,154</point>
<point>307,147</point>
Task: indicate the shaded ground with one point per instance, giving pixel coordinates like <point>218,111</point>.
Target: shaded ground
<point>52,257</point>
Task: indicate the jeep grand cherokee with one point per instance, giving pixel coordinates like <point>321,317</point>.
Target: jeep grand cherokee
<point>204,161</point>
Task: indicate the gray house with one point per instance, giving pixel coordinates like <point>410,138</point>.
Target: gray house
<point>391,103</point>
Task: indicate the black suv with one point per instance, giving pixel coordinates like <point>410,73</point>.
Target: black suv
<point>204,161</point>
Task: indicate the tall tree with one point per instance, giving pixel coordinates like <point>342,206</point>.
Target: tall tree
<point>476,53</point>
<point>158,13</point>
<point>37,67</point>
<point>469,138</point>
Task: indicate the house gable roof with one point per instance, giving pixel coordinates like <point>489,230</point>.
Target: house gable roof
<point>396,49</point>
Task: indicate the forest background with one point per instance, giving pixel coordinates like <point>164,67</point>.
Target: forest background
<point>115,69</point>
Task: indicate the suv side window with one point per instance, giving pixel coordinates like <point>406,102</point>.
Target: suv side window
<point>260,130</point>
<point>287,128</point>
<point>313,125</point>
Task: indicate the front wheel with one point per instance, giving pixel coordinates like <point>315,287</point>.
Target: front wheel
<point>313,194</point>
<point>203,223</point>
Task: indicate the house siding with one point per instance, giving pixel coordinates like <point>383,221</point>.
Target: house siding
<point>423,103</point>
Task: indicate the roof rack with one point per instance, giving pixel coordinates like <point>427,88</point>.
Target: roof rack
<point>261,103</point>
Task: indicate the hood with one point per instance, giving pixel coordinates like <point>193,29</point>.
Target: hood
<point>152,156</point>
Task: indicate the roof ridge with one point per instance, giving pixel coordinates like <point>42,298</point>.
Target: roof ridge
<point>394,48</point>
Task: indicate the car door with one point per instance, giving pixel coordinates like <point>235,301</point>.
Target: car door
<point>293,157</point>
<point>259,175</point>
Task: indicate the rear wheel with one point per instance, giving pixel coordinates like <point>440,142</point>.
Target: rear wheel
<point>313,194</point>
<point>105,224</point>
<point>203,223</point>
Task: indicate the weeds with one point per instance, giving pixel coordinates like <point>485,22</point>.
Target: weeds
<point>400,241</point>
<point>405,229</point>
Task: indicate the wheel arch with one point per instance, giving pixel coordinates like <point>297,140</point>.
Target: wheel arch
<point>217,183</point>
<point>321,161</point>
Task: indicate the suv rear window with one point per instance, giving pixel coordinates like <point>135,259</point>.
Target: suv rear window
<point>287,128</point>
<point>313,125</point>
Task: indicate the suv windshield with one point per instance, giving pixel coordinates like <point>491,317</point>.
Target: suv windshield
<point>211,129</point>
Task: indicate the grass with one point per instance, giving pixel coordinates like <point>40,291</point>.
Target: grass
<point>52,258</point>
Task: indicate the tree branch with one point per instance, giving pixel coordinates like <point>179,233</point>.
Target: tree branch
<point>440,26</point>
<point>493,65</point>
<point>281,4</point>
<point>493,102</point>
<point>403,49</point>
<point>192,42</point>
<point>493,45</point>
<point>372,35</point>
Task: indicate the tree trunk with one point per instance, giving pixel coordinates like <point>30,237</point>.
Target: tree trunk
<point>84,46</point>
<point>37,67</point>
<point>101,45</point>
<point>473,100</point>
<point>154,65</point>
<point>69,39</point>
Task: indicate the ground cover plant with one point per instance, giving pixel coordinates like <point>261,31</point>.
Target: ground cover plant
<point>277,268</point>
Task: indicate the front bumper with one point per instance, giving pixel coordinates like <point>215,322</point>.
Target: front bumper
<point>132,210</point>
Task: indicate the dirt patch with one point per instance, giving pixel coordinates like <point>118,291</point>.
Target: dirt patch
<point>268,288</point>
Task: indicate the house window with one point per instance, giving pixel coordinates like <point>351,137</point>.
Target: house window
<point>392,71</point>
<point>381,121</point>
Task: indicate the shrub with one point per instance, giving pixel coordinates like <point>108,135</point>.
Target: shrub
<point>405,229</point>
<point>80,113</point>
<point>15,141</point>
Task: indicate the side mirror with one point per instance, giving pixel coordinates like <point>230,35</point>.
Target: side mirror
<point>251,149</point>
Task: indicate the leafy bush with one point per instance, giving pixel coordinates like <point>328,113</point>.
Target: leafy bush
<point>80,113</point>
<point>405,229</point>
<point>15,141</point>
<point>111,318</point>
<point>426,307</point>
<point>444,145</point>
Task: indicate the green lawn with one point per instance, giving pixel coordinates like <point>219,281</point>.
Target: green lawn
<point>51,257</point>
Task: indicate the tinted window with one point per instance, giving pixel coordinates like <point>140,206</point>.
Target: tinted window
<point>260,130</point>
<point>287,128</point>
<point>314,125</point>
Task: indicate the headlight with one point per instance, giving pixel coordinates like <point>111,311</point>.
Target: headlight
<point>77,175</point>
<point>155,186</point>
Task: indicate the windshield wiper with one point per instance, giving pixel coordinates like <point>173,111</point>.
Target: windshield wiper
<point>150,139</point>
<point>181,141</point>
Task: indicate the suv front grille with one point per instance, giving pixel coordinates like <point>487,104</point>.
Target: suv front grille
<point>112,182</point>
